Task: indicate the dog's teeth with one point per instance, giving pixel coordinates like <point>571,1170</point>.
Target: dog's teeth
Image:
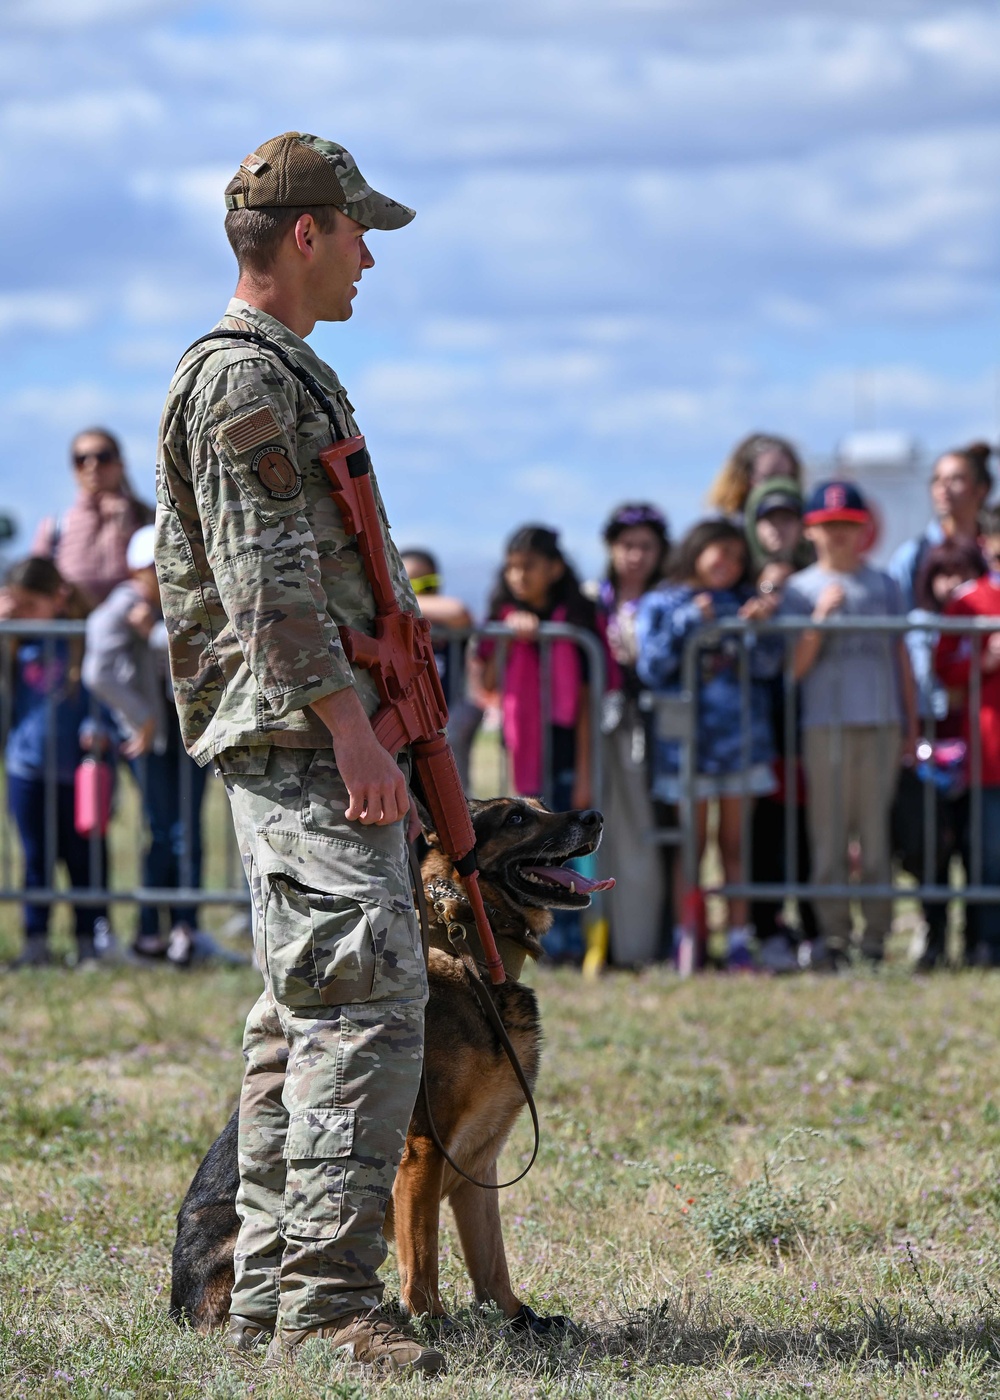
<point>572,887</point>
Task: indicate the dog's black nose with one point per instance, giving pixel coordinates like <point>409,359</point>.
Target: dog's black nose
<point>590,818</point>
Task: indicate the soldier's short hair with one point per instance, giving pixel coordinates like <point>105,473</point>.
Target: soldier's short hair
<point>255,235</point>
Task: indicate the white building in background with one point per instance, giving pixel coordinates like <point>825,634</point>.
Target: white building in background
<point>893,475</point>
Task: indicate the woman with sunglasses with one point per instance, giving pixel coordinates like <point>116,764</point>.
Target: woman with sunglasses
<point>88,542</point>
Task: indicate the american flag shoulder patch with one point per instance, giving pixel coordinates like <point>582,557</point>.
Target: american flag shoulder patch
<point>251,430</point>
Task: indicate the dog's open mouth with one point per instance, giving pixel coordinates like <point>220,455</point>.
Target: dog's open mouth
<point>552,878</point>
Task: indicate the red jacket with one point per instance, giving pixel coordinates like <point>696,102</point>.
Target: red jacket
<point>953,663</point>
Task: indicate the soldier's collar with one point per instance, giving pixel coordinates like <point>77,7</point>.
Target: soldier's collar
<point>263,321</point>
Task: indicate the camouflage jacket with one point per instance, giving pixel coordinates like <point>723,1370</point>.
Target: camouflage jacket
<point>256,570</point>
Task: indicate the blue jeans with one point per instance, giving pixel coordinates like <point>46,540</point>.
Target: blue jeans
<point>174,854</point>
<point>26,800</point>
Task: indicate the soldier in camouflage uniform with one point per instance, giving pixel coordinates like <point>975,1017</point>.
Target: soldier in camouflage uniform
<point>257,572</point>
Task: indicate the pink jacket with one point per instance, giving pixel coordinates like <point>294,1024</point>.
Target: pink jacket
<point>88,542</point>
<point>522,703</point>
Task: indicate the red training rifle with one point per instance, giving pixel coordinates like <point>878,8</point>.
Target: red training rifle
<point>401,660</point>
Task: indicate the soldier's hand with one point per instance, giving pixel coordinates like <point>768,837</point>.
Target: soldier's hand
<point>377,788</point>
<point>375,784</point>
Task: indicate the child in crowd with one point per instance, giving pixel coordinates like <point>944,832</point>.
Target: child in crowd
<point>444,613</point>
<point>758,458</point>
<point>637,546</point>
<point>709,580</point>
<point>953,664</point>
<point>537,584</point>
<point>779,548</point>
<point>945,568</point>
<point>53,720</point>
<point>126,665</point>
<point>858,713</point>
<point>774,525</point>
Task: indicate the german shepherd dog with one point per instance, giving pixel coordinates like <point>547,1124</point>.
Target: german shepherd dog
<point>474,1095</point>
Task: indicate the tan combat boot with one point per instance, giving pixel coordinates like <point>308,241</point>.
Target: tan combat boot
<point>368,1339</point>
<point>244,1334</point>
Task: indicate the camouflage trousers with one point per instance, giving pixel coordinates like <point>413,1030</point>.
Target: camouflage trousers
<point>333,1046</point>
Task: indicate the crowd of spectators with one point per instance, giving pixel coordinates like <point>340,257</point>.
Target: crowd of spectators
<point>91,704</point>
<point>842,759</point>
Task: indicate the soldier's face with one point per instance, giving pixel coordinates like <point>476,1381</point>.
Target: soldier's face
<point>339,259</point>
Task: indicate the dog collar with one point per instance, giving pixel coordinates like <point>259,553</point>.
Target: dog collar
<point>439,889</point>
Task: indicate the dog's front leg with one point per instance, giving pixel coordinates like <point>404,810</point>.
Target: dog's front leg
<point>477,1216</point>
<point>416,1198</point>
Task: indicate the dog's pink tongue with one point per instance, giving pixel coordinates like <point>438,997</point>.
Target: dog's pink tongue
<point>560,875</point>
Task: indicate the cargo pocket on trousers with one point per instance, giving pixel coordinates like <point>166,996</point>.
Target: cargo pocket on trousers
<point>320,947</point>
<point>318,1143</point>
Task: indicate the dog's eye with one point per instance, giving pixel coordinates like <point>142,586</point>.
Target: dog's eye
<point>515,819</point>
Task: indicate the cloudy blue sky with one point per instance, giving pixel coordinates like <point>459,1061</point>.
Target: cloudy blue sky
<point>644,227</point>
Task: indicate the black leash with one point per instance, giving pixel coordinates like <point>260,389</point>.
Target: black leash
<point>457,935</point>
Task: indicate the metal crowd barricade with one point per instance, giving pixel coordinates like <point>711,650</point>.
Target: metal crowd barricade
<point>459,641</point>
<point>230,891</point>
<point>676,717</point>
<point>219,843</point>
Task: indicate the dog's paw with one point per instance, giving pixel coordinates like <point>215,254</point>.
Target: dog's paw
<point>527,1321</point>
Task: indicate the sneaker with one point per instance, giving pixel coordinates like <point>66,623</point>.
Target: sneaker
<point>104,939</point>
<point>740,959</point>
<point>826,957</point>
<point>180,945</point>
<point>778,955</point>
<point>244,1334</point>
<point>368,1339</point>
<point>148,946</point>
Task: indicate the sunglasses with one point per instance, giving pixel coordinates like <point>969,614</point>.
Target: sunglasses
<point>425,583</point>
<point>103,458</point>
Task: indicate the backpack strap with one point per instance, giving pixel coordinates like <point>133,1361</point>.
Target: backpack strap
<point>309,381</point>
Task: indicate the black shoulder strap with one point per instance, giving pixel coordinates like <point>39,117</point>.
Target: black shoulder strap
<point>302,375</point>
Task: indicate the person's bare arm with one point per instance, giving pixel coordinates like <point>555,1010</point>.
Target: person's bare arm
<point>375,783</point>
<point>807,648</point>
<point>444,612</point>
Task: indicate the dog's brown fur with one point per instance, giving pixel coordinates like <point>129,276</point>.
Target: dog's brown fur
<point>474,1095</point>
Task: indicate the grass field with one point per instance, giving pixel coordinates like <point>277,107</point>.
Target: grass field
<point>746,1188</point>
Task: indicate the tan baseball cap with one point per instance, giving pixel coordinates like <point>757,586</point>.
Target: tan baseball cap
<point>296,169</point>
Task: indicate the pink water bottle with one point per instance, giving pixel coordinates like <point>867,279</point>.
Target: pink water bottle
<point>92,797</point>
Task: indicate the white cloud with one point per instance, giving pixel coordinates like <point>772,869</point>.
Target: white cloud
<point>53,311</point>
<point>197,191</point>
<point>79,119</point>
<point>62,14</point>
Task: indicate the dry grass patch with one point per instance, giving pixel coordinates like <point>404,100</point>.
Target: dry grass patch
<point>746,1187</point>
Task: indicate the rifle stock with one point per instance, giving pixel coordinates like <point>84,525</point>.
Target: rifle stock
<point>400,658</point>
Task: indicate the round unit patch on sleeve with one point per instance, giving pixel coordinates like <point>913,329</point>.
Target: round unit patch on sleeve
<point>276,472</point>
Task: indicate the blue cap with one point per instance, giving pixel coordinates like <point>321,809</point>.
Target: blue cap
<point>836,500</point>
